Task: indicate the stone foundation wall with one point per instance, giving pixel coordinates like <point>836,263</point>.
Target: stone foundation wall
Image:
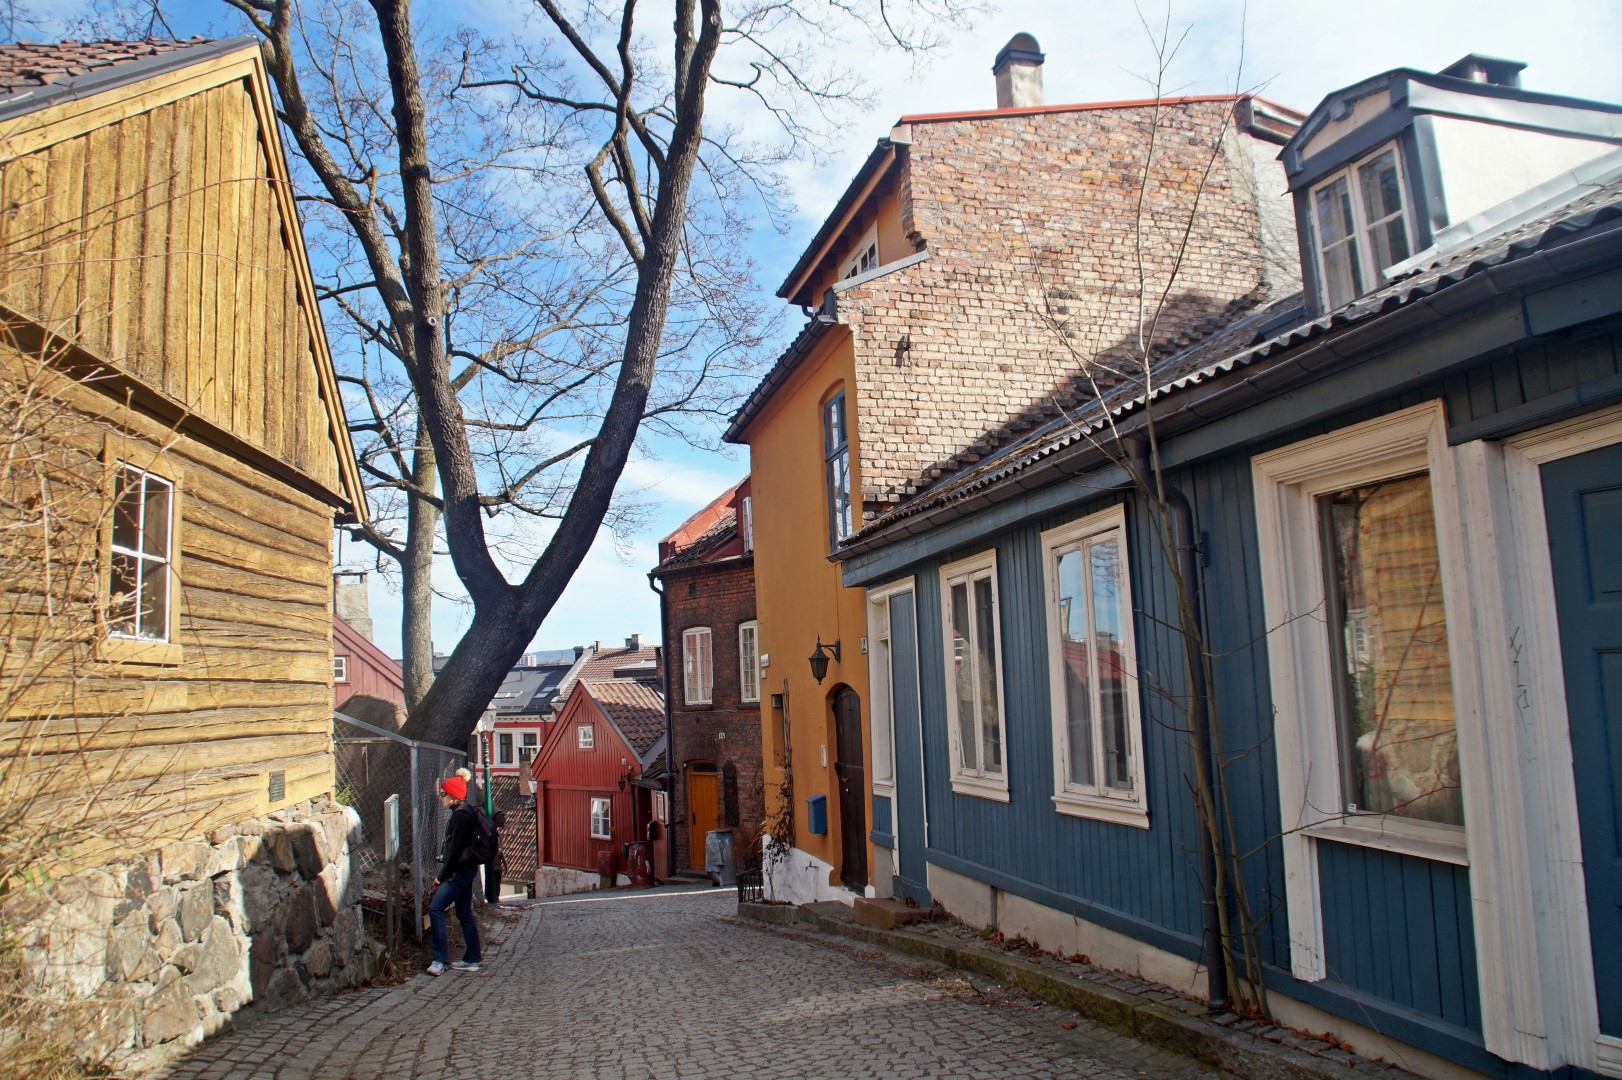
<point>164,948</point>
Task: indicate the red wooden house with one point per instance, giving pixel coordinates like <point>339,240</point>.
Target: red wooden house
<point>590,798</point>
<point>361,669</point>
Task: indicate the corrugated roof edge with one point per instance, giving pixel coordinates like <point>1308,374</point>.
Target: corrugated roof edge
<point>35,98</point>
<point>1510,250</point>
<point>1091,106</point>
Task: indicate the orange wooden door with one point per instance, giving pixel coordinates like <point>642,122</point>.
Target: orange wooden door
<point>703,809</point>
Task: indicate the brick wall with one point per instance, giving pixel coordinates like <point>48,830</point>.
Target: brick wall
<point>721,596</point>
<point>1036,237</point>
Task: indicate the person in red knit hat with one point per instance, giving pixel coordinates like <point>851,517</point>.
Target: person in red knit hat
<point>455,880</point>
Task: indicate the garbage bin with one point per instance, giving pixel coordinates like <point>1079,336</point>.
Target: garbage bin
<point>718,860</point>
<point>639,864</point>
<point>608,865</point>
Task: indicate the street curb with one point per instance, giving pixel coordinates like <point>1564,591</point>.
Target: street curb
<point>1178,1024</point>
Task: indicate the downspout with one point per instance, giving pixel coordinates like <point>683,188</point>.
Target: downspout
<point>670,735</point>
<point>1188,568</point>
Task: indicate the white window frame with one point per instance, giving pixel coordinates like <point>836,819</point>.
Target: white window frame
<point>881,685</point>
<point>698,665</point>
<point>978,781</point>
<point>746,523</point>
<point>1287,482</point>
<point>1093,800</point>
<point>1373,276</point>
<point>602,817</point>
<point>863,257</point>
<point>502,757</point>
<point>585,737</point>
<point>749,661</point>
<point>836,470</point>
<point>340,669</point>
<point>147,628</point>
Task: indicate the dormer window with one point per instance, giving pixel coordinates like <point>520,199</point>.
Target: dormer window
<point>864,258</point>
<point>1361,224</point>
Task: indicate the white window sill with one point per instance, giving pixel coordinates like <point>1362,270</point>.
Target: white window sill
<point>1437,843</point>
<point>980,788</point>
<point>1118,811</point>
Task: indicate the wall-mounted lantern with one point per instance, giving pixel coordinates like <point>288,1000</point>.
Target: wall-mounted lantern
<point>819,659</point>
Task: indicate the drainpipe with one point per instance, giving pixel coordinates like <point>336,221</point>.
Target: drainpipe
<point>670,735</point>
<point>1188,569</point>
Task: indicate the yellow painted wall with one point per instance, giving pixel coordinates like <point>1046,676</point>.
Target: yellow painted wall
<point>797,590</point>
<point>893,242</point>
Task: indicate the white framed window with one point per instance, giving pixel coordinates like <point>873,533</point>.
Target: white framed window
<point>836,456</point>
<point>340,669</point>
<point>746,523</point>
<point>1092,671</point>
<point>585,737</point>
<point>882,674</point>
<point>749,661</point>
<point>602,819</point>
<point>864,257</point>
<point>974,694</point>
<point>1361,559</point>
<point>529,744</point>
<point>504,748</point>
<point>139,587</point>
<point>698,665</point>
<point>661,807</point>
<point>1360,226</point>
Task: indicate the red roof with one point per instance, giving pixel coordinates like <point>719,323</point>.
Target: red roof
<point>636,708</point>
<point>31,63</point>
<point>1034,110</point>
<point>703,521</point>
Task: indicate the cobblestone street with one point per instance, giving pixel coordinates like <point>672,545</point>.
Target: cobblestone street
<point>673,984</point>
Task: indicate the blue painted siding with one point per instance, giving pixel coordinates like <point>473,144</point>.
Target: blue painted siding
<point>1400,928</point>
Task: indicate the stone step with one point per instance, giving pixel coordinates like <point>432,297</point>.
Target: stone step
<point>887,913</point>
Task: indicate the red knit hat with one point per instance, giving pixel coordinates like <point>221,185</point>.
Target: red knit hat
<point>455,787</point>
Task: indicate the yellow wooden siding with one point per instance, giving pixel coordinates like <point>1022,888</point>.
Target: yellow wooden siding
<point>156,243</point>
<point>190,745</point>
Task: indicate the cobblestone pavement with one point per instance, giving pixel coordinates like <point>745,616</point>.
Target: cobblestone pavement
<point>674,985</point>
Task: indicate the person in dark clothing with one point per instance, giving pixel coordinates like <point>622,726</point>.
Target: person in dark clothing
<point>455,881</point>
<point>493,868</point>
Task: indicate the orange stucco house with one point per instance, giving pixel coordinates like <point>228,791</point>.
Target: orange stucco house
<point>977,262</point>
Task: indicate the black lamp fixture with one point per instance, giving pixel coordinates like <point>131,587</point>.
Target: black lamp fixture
<point>819,659</point>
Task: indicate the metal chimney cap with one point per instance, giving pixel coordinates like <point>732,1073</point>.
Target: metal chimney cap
<point>1022,47</point>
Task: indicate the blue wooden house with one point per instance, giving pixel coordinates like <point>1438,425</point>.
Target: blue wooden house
<point>1395,502</point>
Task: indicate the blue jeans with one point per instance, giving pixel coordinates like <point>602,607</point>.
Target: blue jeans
<point>459,891</point>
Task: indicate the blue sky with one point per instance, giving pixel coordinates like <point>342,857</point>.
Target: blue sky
<point>1295,50</point>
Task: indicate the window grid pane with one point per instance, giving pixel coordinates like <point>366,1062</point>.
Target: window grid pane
<point>963,680</point>
<point>1388,633</point>
<point>1104,567</point>
<point>138,585</point>
<point>749,662</point>
<point>985,617</point>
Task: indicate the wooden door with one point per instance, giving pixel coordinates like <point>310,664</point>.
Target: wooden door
<point>703,810</point>
<point>852,788</point>
<point>1582,496</point>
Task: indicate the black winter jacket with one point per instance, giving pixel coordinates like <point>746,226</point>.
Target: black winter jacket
<point>460,832</point>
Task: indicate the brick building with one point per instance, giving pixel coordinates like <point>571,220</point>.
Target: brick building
<point>981,269</point>
<point>707,570</point>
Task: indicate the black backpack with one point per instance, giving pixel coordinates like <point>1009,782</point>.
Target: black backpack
<point>482,848</point>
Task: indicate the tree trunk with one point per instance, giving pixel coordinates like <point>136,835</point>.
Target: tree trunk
<point>417,566</point>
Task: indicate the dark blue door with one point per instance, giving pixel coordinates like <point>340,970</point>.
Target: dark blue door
<point>909,765</point>
<point>1582,496</point>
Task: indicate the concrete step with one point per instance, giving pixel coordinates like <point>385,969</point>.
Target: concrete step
<point>887,913</point>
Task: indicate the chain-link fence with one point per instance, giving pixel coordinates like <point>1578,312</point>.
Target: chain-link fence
<point>373,765</point>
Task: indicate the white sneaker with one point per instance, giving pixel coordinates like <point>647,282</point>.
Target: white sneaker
<point>463,965</point>
<point>436,968</point>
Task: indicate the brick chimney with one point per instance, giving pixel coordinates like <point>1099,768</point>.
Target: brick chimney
<point>1019,73</point>
<point>634,642</point>
<point>351,602</point>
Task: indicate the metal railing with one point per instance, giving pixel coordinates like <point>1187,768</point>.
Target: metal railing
<point>751,887</point>
<point>374,763</point>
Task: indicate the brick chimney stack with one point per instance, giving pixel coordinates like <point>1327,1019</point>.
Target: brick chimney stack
<point>1019,73</point>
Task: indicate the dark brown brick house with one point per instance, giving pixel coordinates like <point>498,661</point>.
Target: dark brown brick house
<point>707,572</point>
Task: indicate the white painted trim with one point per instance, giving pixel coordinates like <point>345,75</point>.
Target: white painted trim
<point>1564,978</point>
<point>977,783</point>
<point>875,598</point>
<point>1093,800</point>
<point>1286,483</point>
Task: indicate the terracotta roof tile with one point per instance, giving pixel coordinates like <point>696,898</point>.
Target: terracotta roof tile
<point>636,708</point>
<point>27,64</point>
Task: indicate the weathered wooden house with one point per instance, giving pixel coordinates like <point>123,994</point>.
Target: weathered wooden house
<point>1392,502</point>
<point>161,333</point>
<point>590,798</point>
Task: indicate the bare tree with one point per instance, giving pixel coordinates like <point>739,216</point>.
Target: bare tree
<point>545,245</point>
